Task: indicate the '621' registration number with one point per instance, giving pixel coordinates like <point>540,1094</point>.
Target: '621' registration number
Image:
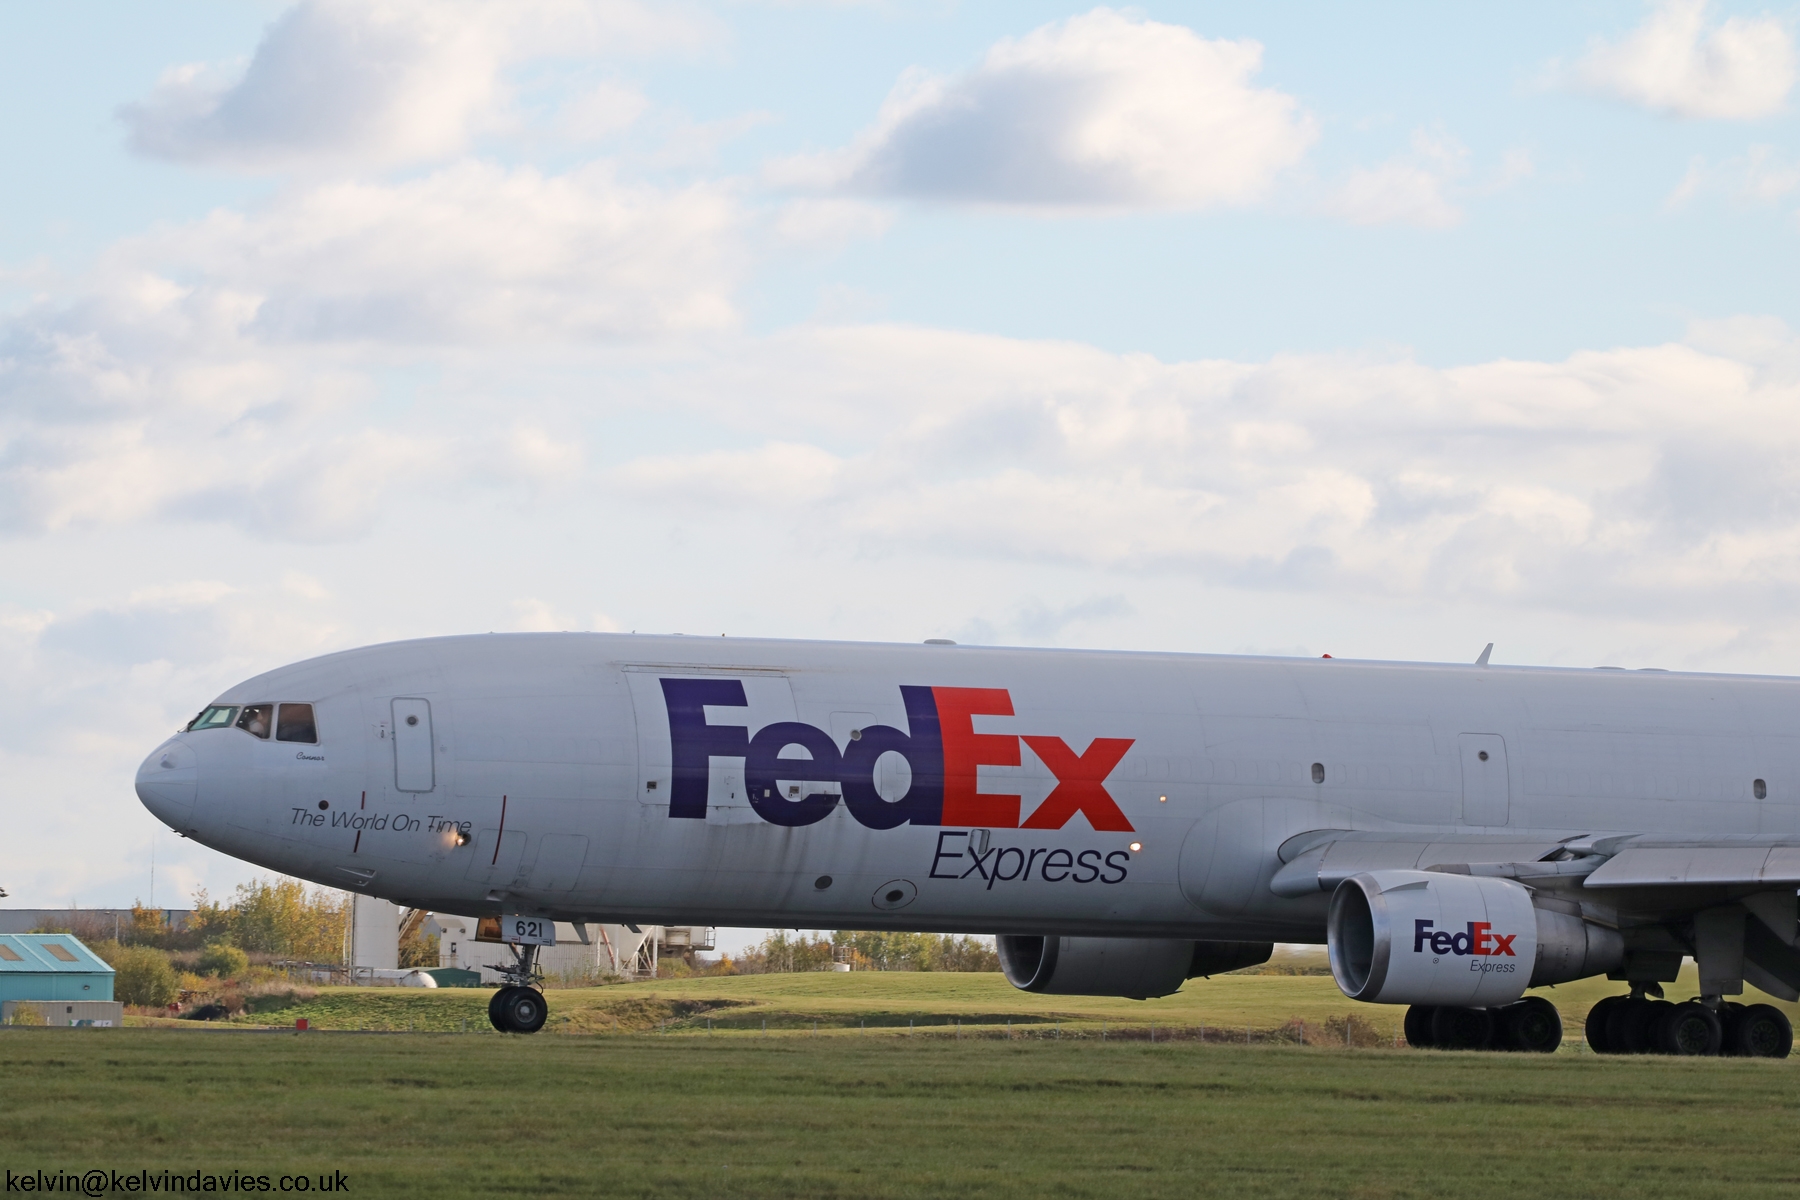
<point>521,931</point>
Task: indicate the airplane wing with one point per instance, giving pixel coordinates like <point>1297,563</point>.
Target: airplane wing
<point>1320,860</point>
<point>1731,900</point>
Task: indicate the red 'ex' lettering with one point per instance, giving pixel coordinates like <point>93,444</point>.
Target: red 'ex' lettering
<point>1080,784</point>
<point>965,751</point>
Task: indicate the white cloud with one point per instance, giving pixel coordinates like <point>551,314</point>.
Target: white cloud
<point>282,451</point>
<point>1674,63</point>
<point>378,82</point>
<point>1760,176</point>
<point>210,371</point>
<point>1103,110</point>
<point>829,223</point>
<point>470,253</point>
<point>1412,189</point>
<point>1641,479</point>
<point>601,110</point>
<point>532,615</point>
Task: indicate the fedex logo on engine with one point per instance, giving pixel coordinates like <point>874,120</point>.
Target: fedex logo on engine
<point>1479,939</point>
<point>940,746</point>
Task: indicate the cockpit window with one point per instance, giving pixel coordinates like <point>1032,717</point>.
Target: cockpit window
<point>256,719</point>
<point>296,724</point>
<point>218,716</point>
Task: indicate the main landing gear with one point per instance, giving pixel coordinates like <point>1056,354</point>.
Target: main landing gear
<point>519,1007</point>
<point>1531,1025</point>
<point>1635,1024</point>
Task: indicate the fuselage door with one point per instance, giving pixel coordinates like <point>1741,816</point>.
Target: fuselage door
<point>768,698</point>
<point>414,760</point>
<point>1487,795</point>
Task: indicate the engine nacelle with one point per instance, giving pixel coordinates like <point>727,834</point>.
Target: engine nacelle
<point>1429,937</point>
<point>1134,967</point>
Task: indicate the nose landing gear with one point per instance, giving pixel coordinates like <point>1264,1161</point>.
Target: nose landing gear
<point>519,1007</point>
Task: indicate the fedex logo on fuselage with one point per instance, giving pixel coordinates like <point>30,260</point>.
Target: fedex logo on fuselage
<point>1479,939</point>
<point>940,746</point>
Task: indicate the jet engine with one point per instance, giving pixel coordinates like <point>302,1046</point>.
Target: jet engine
<point>1134,967</point>
<point>1430,937</point>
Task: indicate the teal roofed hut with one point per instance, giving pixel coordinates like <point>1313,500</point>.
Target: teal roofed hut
<point>51,966</point>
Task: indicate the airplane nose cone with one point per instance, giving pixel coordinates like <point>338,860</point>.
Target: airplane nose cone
<point>168,782</point>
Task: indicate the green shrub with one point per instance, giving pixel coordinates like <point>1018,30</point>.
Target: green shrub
<point>224,960</point>
<point>143,976</point>
<point>107,951</point>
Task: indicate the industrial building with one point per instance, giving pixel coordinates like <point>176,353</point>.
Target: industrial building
<point>54,974</point>
<point>588,952</point>
<point>377,927</point>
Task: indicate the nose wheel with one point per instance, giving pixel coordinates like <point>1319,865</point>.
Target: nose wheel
<point>519,1006</point>
<point>516,1009</point>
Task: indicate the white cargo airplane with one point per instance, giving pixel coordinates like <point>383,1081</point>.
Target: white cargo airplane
<point>1123,822</point>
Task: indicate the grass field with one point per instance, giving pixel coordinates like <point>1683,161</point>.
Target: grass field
<point>929,1004</point>
<point>657,1106</point>
<point>450,1116</point>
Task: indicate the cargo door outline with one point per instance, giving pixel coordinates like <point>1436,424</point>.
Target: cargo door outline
<point>1486,788</point>
<point>499,856</point>
<point>770,699</point>
<point>560,858</point>
<point>415,750</point>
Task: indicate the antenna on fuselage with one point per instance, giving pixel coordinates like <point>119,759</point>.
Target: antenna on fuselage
<point>1482,661</point>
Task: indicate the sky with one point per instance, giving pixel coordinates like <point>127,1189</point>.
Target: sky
<point>1384,331</point>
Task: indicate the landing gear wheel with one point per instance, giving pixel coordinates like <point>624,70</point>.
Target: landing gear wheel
<point>1595,1030</point>
<point>494,1018</point>
<point>1418,1026</point>
<point>518,1010</point>
<point>1462,1028</point>
<point>1628,1025</point>
<point>1532,1025</point>
<point>1729,1012</point>
<point>1762,1031</point>
<point>1689,1030</point>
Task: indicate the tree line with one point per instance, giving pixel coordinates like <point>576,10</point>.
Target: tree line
<point>863,950</point>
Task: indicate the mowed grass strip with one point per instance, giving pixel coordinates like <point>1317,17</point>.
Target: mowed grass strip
<point>931,1004</point>
<point>450,1116</point>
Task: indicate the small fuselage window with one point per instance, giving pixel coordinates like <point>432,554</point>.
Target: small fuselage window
<point>257,719</point>
<point>296,724</point>
<point>218,716</point>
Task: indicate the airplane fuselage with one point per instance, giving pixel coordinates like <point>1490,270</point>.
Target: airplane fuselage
<point>748,782</point>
